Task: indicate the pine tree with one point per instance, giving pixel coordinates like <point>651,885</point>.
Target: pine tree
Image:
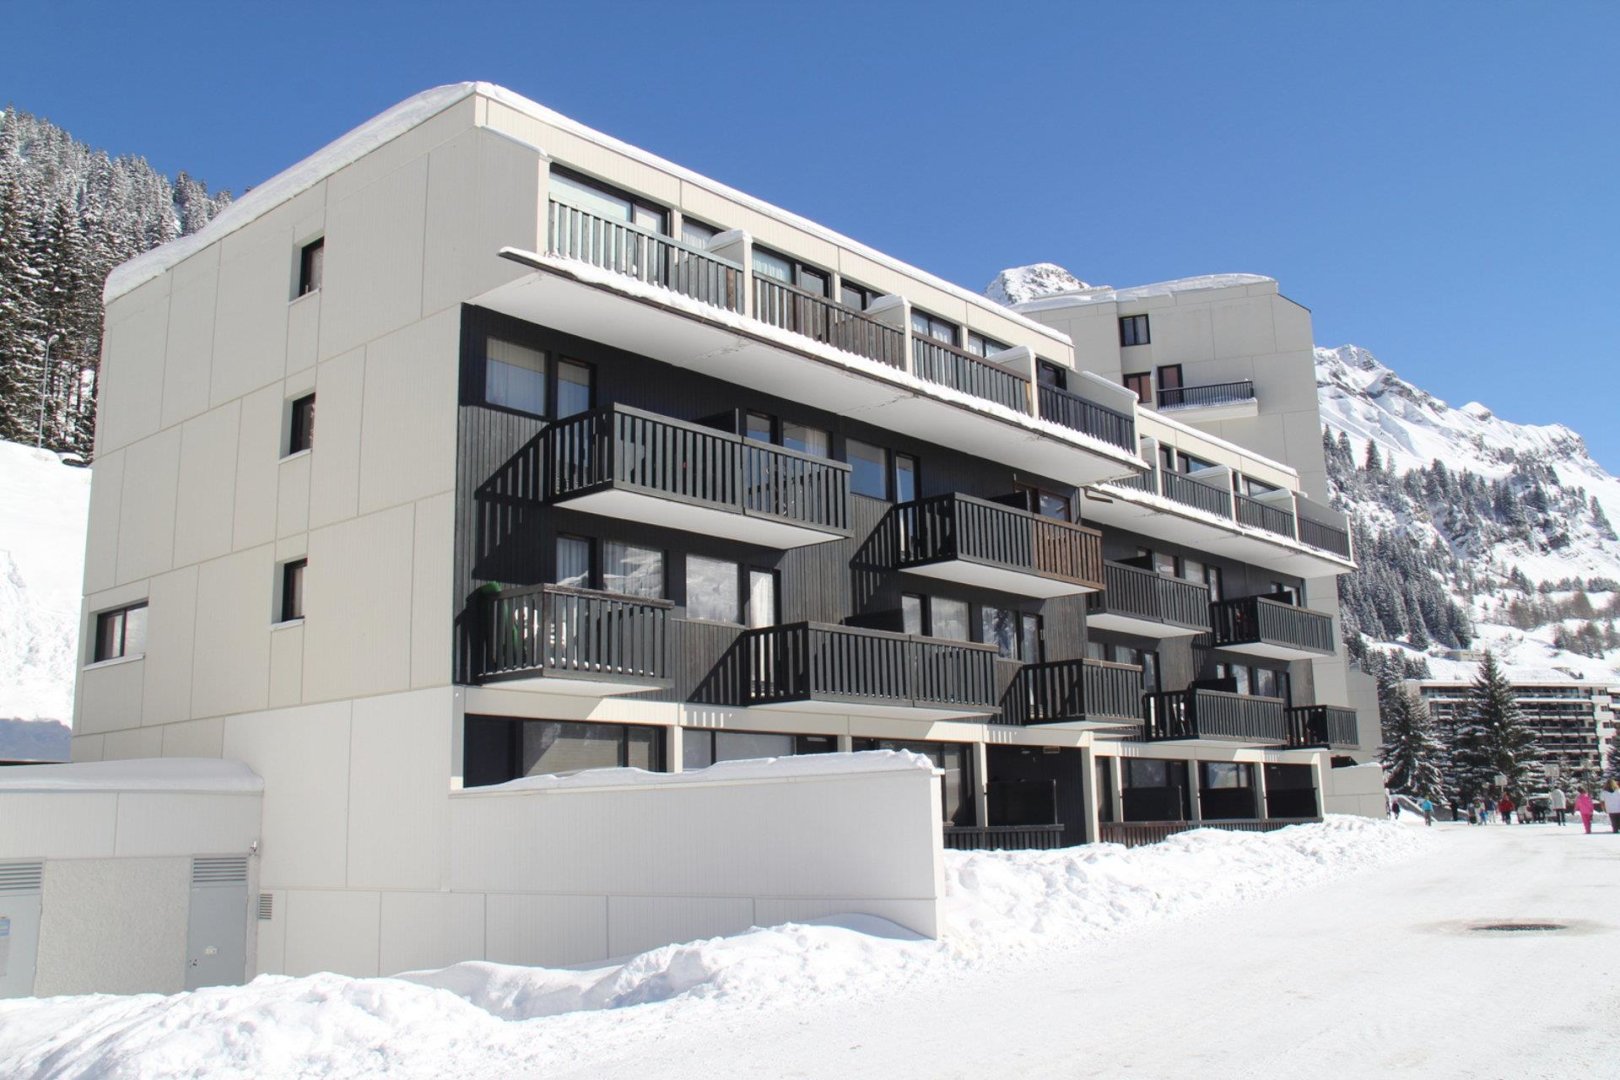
<point>1612,771</point>
<point>1411,753</point>
<point>1494,740</point>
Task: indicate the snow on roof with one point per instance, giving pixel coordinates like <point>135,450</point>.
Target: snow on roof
<point>784,768</point>
<point>1106,294</point>
<point>136,774</point>
<point>411,112</point>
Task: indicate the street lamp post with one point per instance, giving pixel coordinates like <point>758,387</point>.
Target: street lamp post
<point>44,382</point>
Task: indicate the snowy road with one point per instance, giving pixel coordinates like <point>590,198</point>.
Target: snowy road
<point>1371,976</point>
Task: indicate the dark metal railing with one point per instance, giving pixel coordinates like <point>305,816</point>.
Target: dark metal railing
<point>954,526</point>
<point>1145,594</point>
<point>1326,537</point>
<point>1144,482</point>
<point>578,233</point>
<point>1066,690</point>
<point>1003,837</point>
<point>1226,393</point>
<point>817,317</point>
<point>1214,714</point>
<point>1331,726</point>
<point>1099,421</point>
<point>936,361</point>
<point>1137,833</point>
<point>1263,515</point>
<point>1258,620</point>
<point>1178,487</point>
<point>553,629</point>
<point>625,448</point>
<point>818,661</point>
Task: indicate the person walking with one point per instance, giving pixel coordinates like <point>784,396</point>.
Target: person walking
<point>1583,808</point>
<point>1558,803</point>
<point>1505,808</point>
<point>1395,806</point>
<point>1611,804</point>
<point>1427,806</point>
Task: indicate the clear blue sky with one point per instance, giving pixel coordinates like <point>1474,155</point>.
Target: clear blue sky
<point>1438,182</point>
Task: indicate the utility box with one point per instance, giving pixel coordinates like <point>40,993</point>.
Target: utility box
<point>19,926</point>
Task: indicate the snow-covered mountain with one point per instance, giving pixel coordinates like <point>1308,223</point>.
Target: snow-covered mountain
<point>1021,283</point>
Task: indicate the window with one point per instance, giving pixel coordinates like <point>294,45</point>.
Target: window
<point>1170,384</point>
<point>632,570</point>
<point>700,749</point>
<point>514,376</point>
<point>606,201</point>
<point>311,265</point>
<point>1050,504</point>
<point>948,619</point>
<point>1254,680</point>
<point>868,468</point>
<point>789,271</point>
<point>856,297</point>
<point>1140,383</point>
<point>712,589</point>
<point>762,609</point>
<point>933,326</point>
<point>806,439</point>
<point>301,424</point>
<point>1288,594</point>
<point>573,388</point>
<point>697,234</point>
<point>1050,374</point>
<point>979,345</point>
<point>292,589</point>
<point>1133,329</point>
<point>573,562</point>
<point>911,613</point>
<point>121,632</point>
<point>1015,634</point>
<point>498,749</point>
<point>905,478</point>
<point>759,426</point>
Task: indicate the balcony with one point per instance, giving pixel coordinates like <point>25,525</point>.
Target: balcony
<point>936,361</point>
<point>963,539</point>
<point>1267,515</point>
<point>1082,414</point>
<point>819,319</point>
<point>1214,716</point>
<point>1076,693</point>
<point>1148,604</point>
<point>647,256</point>
<point>821,667</point>
<point>573,641</point>
<point>1211,402</point>
<point>1260,626</point>
<point>638,466</point>
<point>1330,727</point>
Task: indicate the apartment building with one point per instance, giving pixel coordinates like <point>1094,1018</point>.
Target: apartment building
<point>482,446</point>
<point>1573,720</point>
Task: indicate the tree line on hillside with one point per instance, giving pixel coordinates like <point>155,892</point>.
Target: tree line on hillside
<point>68,215</point>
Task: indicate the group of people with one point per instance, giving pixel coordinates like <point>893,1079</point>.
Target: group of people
<point>1481,810</point>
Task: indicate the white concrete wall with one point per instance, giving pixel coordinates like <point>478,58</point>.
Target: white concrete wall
<point>1358,789</point>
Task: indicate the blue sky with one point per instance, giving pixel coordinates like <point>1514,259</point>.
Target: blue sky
<point>1438,182</point>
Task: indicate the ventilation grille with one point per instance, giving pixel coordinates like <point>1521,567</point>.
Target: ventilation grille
<point>219,870</point>
<point>267,906</point>
<point>22,877</point>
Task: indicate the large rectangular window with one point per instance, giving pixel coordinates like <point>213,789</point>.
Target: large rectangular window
<point>514,376</point>
<point>632,570</point>
<point>609,202</point>
<point>933,326</point>
<point>700,749</point>
<point>498,749</point>
<point>979,345</point>
<point>121,632</point>
<point>1133,330</point>
<point>948,619</point>
<point>712,589</point>
<point>806,439</point>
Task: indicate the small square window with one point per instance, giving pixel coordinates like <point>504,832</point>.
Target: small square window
<point>868,468</point>
<point>301,424</point>
<point>1133,330</point>
<point>311,265</point>
<point>120,632</point>
<point>292,589</point>
<point>712,589</point>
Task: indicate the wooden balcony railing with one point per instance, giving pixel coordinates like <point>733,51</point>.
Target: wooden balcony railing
<point>1138,833</point>
<point>574,633</point>
<point>1216,715</point>
<point>1099,421</point>
<point>821,319</point>
<point>1183,489</point>
<point>1263,515</point>
<point>1326,537</point>
<point>1227,393</point>
<point>935,361</point>
<point>1003,837</point>
<point>1329,726</point>
<point>946,527</point>
<point>578,233</point>
<point>1258,620</point>
<point>1069,690</point>
<point>822,662</point>
<point>1145,594</point>
<point>623,448</point>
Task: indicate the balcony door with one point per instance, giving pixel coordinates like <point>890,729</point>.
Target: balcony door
<point>1170,385</point>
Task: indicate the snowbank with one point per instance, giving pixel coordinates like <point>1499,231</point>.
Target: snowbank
<point>772,769</point>
<point>479,1019</point>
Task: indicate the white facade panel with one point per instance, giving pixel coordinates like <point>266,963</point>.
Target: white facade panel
<point>432,603</point>
<point>140,742</point>
<point>329,930</point>
<point>130,391</point>
<point>286,665</point>
<point>203,508</point>
<point>639,923</point>
<point>171,619</point>
<point>101,538</point>
<point>399,787</point>
<point>292,495</point>
<point>152,823</point>
<point>231,658</point>
<point>258,458</point>
<point>250,325</point>
<point>430,930</point>
<point>373,257</point>
<point>45,825</point>
<point>547,930</point>
<point>190,347</point>
<point>109,697</point>
<point>146,519</point>
<point>334,481</point>
<point>303,332</point>
<point>194,738</point>
<point>409,420</point>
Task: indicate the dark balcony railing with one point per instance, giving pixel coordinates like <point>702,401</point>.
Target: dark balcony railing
<point>817,317</point>
<point>623,448</point>
<point>1262,515</point>
<point>946,527</point>
<point>1178,487</point>
<point>1099,421</point>
<point>1215,715</point>
<point>937,362</point>
<point>1138,833</point>
<point>822,662</point>
<point>1067,690</point>
<point>1323,536</point>
<point>574,633</point>
<point>1257,620</point>
<point>1003,837</point>
<point>1329,726</point>
<point>577,233</point>
<point>1226,393</point>
<point>1147,482</point>
<point>1144,594</point>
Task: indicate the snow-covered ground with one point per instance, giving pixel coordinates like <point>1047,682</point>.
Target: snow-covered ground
<point>1185,958</point>
<point>43,507</point>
